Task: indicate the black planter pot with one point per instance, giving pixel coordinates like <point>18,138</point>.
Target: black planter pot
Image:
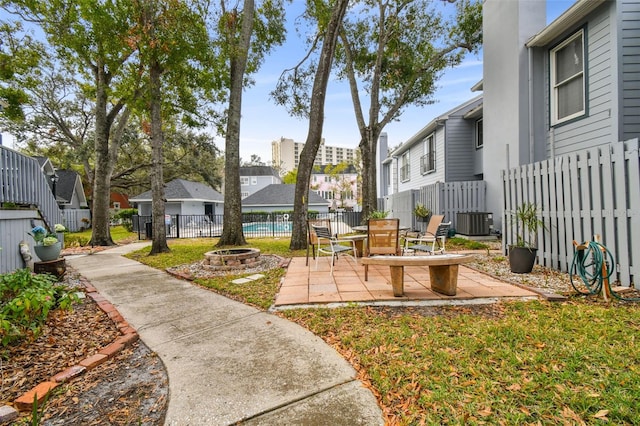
<point>522,259</point>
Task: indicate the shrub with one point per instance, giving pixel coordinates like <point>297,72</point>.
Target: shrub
<point>25,302</point>
<point>126,216</point>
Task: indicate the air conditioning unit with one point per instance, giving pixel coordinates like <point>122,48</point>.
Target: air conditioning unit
<point>474,223</point>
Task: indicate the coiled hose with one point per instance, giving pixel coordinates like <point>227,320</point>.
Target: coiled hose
<point>587,264</point>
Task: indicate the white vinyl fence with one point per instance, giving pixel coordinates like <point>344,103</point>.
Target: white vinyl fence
<point>589,193</point>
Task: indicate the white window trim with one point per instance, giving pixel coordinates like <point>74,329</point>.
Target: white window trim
<point>554,85</point>
<point>244,180</point>
<point>479,143</point>
<point>405,167</point>
<point>426,151</point>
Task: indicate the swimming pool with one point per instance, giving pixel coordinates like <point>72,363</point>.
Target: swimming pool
<point>267,228</point>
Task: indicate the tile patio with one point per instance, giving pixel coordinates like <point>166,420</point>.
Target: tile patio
<point>304,285</point>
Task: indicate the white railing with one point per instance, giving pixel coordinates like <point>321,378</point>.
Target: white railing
<point>23,183</point>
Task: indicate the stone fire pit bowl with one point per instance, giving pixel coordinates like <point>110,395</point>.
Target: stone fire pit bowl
<point>232,259</point>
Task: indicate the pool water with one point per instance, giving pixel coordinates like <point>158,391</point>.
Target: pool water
<point>267,228</point>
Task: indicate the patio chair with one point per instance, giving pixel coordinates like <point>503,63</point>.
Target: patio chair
<point>430,232</point>
<point>330,244</point>
<point>312,239</point>
<point>383,238</point>
<point>427,243</point>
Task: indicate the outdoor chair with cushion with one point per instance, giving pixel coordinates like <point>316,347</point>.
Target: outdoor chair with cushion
<point>427,243</point>
<point>330,244</point>
<point>312,239</point>
<point>383,238</point>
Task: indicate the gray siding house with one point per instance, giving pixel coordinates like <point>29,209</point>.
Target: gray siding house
<point>279,197</point>
<point>446,149</point>
<point>552,90</point>
<point>69,193</point>
<point>184,198</point>
<point>255,178</point>
<point>562,122</point>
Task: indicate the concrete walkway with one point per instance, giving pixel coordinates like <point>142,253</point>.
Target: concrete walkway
<point>228,362</point>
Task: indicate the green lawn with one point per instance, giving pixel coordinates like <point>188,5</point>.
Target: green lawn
<point>261,294</point>
<point>532,363</point>
<point>118,233</point>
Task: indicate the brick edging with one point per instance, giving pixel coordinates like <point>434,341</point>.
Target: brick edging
<point>128,335</point>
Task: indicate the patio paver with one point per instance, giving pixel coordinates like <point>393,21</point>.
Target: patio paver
<point>304,285</point>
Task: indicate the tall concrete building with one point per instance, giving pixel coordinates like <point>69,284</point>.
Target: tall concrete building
<point>285,154</point>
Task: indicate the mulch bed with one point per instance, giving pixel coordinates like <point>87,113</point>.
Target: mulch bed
<point>131,388</point>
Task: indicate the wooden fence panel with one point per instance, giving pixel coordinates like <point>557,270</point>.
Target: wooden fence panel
<point>581,195</point>
<point>632,162</point>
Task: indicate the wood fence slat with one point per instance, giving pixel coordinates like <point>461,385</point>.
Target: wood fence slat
<point>632,157</point>
<point>587,193</point>
<point>620,232</point>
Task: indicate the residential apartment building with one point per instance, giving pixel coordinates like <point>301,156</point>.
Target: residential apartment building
<point>338,187</point>
<point>285,154</point>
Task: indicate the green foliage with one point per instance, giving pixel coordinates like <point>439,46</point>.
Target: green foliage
<point>421,210</point>
<point>18,55</point>
<point>377,214</point>
<point>126,215</point>
<point>291,177</point>
<point>457,243</point>
<point>25,302</point>
<point>37,412</point>
<point>527,221</point>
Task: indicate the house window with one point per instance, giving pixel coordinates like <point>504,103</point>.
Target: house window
<point>404,167</point>
<point>116,205</point>
<point>567,79</point>
<point>428,159</point>
<point>254,180</point>
<point>244,180</point>
<point>244,194</point>
<point>479,136</point>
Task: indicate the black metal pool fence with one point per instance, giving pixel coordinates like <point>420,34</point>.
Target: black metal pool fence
<point>255,225</point>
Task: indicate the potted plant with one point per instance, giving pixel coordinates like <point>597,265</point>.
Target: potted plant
<point>522,254</point>
<point>422,212</point>
<point>376,214</point>
<point>47,245</point>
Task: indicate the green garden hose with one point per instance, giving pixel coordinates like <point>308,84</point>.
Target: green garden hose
<point>587,264</point>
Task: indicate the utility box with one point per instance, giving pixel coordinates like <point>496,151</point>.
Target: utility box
<point>474,223</point>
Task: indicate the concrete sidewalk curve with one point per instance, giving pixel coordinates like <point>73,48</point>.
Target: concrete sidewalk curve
<point>228,362</point>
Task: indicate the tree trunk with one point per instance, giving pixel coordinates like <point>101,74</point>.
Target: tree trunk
<point>368,148</point>
<point>159,244</point>
<point>232,233</point>
<point>316,121</point>
<point>101,234</point>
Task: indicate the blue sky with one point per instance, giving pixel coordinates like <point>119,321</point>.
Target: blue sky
<point>263,121</point>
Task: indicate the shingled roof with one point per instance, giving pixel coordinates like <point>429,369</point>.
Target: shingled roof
<point>67,183</point>
<point>180,189</point>
<point>279,194</point>
<point>258,171</point>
